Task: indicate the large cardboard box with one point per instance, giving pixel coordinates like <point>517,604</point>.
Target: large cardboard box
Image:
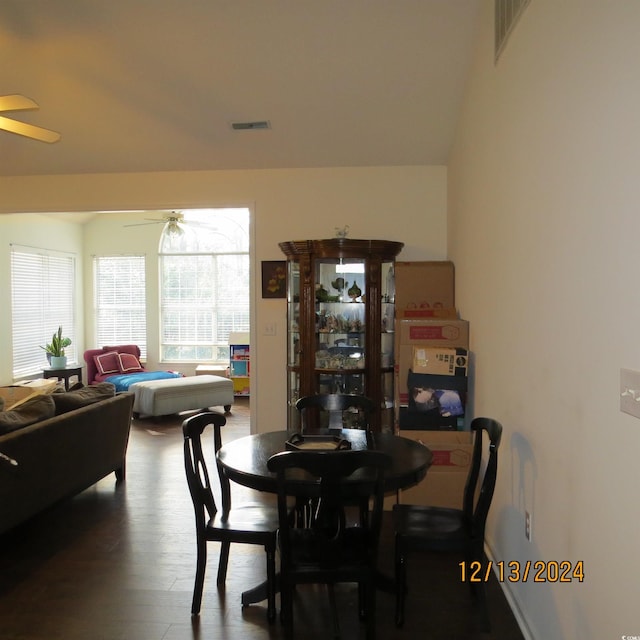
<point>428,333</point>
<point>390,499</point>
<point>422,287</point>
<point>444,483</point>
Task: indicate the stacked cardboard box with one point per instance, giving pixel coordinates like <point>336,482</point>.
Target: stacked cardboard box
<point>431,360</point>
<point>444,483</point>
<point>425,289</point>
<point>430,339</point>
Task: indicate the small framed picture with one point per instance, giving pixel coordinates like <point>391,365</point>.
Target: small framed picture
<point>274,278</point>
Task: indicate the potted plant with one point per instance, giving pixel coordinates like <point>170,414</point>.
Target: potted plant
<point>55,350</point>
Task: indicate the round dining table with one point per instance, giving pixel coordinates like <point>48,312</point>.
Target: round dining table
<point>245,461</point>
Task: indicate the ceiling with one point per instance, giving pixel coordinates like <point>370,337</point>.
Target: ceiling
<point>154,85</point>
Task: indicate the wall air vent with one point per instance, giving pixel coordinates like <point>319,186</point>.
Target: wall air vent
<point>250,126</point>
<point>507,14</point>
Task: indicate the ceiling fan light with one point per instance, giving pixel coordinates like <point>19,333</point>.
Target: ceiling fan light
<point>177,237</point>
<point>173,229</point>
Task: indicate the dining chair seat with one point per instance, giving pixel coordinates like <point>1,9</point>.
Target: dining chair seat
<point>448,528</point>
<point>245,520</point>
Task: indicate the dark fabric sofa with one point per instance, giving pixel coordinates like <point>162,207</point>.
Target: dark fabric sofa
<point>60,456</point>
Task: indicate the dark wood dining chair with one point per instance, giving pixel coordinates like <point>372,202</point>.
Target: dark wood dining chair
<point>335,411</point>
<point>245,523</point>
<point>428,528</point>
<point>328,550</point>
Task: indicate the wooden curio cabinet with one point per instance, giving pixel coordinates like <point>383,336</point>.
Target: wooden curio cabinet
<point>340,322</point>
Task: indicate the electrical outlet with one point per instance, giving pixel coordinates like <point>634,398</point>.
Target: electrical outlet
<point>630,392</point>
<point>270,329</point>
<point>527,525</point>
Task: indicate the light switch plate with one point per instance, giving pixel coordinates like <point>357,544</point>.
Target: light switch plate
<point>630,392</point>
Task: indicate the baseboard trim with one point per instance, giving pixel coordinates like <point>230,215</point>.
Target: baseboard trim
<point>508,594</point>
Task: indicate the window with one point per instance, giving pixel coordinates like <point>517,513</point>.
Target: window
<point>120,301</point>
<point>204,284</point>
<point>42,299</point>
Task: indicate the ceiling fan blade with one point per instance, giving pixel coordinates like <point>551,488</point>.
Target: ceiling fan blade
<point>174,218</point>
<point>143,224</point>
<point>16,102</point>
<point>29,130</point>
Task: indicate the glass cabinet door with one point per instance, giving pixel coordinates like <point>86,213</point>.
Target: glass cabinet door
<point>387,341</point>
<point>293,342</point>
<point>340,331</point>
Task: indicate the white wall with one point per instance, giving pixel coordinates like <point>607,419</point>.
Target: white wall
<point>406,204</point>
<point>543,230</point>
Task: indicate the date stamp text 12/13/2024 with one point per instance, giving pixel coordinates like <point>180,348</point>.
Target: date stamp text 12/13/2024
<point>517,571</point>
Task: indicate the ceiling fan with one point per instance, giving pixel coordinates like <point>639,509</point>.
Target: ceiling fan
<point>173,220</point>
<point>16,102</point>
<point>174,225</point>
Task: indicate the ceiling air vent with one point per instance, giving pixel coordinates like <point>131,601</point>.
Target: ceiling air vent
<point>247,126</point>
<point>507,14</point>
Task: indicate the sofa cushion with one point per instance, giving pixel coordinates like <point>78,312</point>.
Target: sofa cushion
<point>70,400</point>
<point>41,407</point>
<point>129,363</point>
<point>107,362</point>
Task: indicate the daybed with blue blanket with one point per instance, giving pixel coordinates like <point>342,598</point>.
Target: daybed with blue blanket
<point>156,392</point>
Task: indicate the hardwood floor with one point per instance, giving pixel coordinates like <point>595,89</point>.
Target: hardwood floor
<point>117,562</point>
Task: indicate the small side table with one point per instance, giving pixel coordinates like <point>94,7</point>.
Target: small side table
<point>63,374</point>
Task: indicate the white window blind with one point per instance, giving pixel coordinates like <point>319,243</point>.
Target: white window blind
<point>204,287</point>
<point>42,299</point>
<point>120,301</point>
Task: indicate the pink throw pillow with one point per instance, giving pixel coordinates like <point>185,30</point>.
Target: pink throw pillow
<point>129,363</point>
<point>107,363</point>
<point>125,348</point>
